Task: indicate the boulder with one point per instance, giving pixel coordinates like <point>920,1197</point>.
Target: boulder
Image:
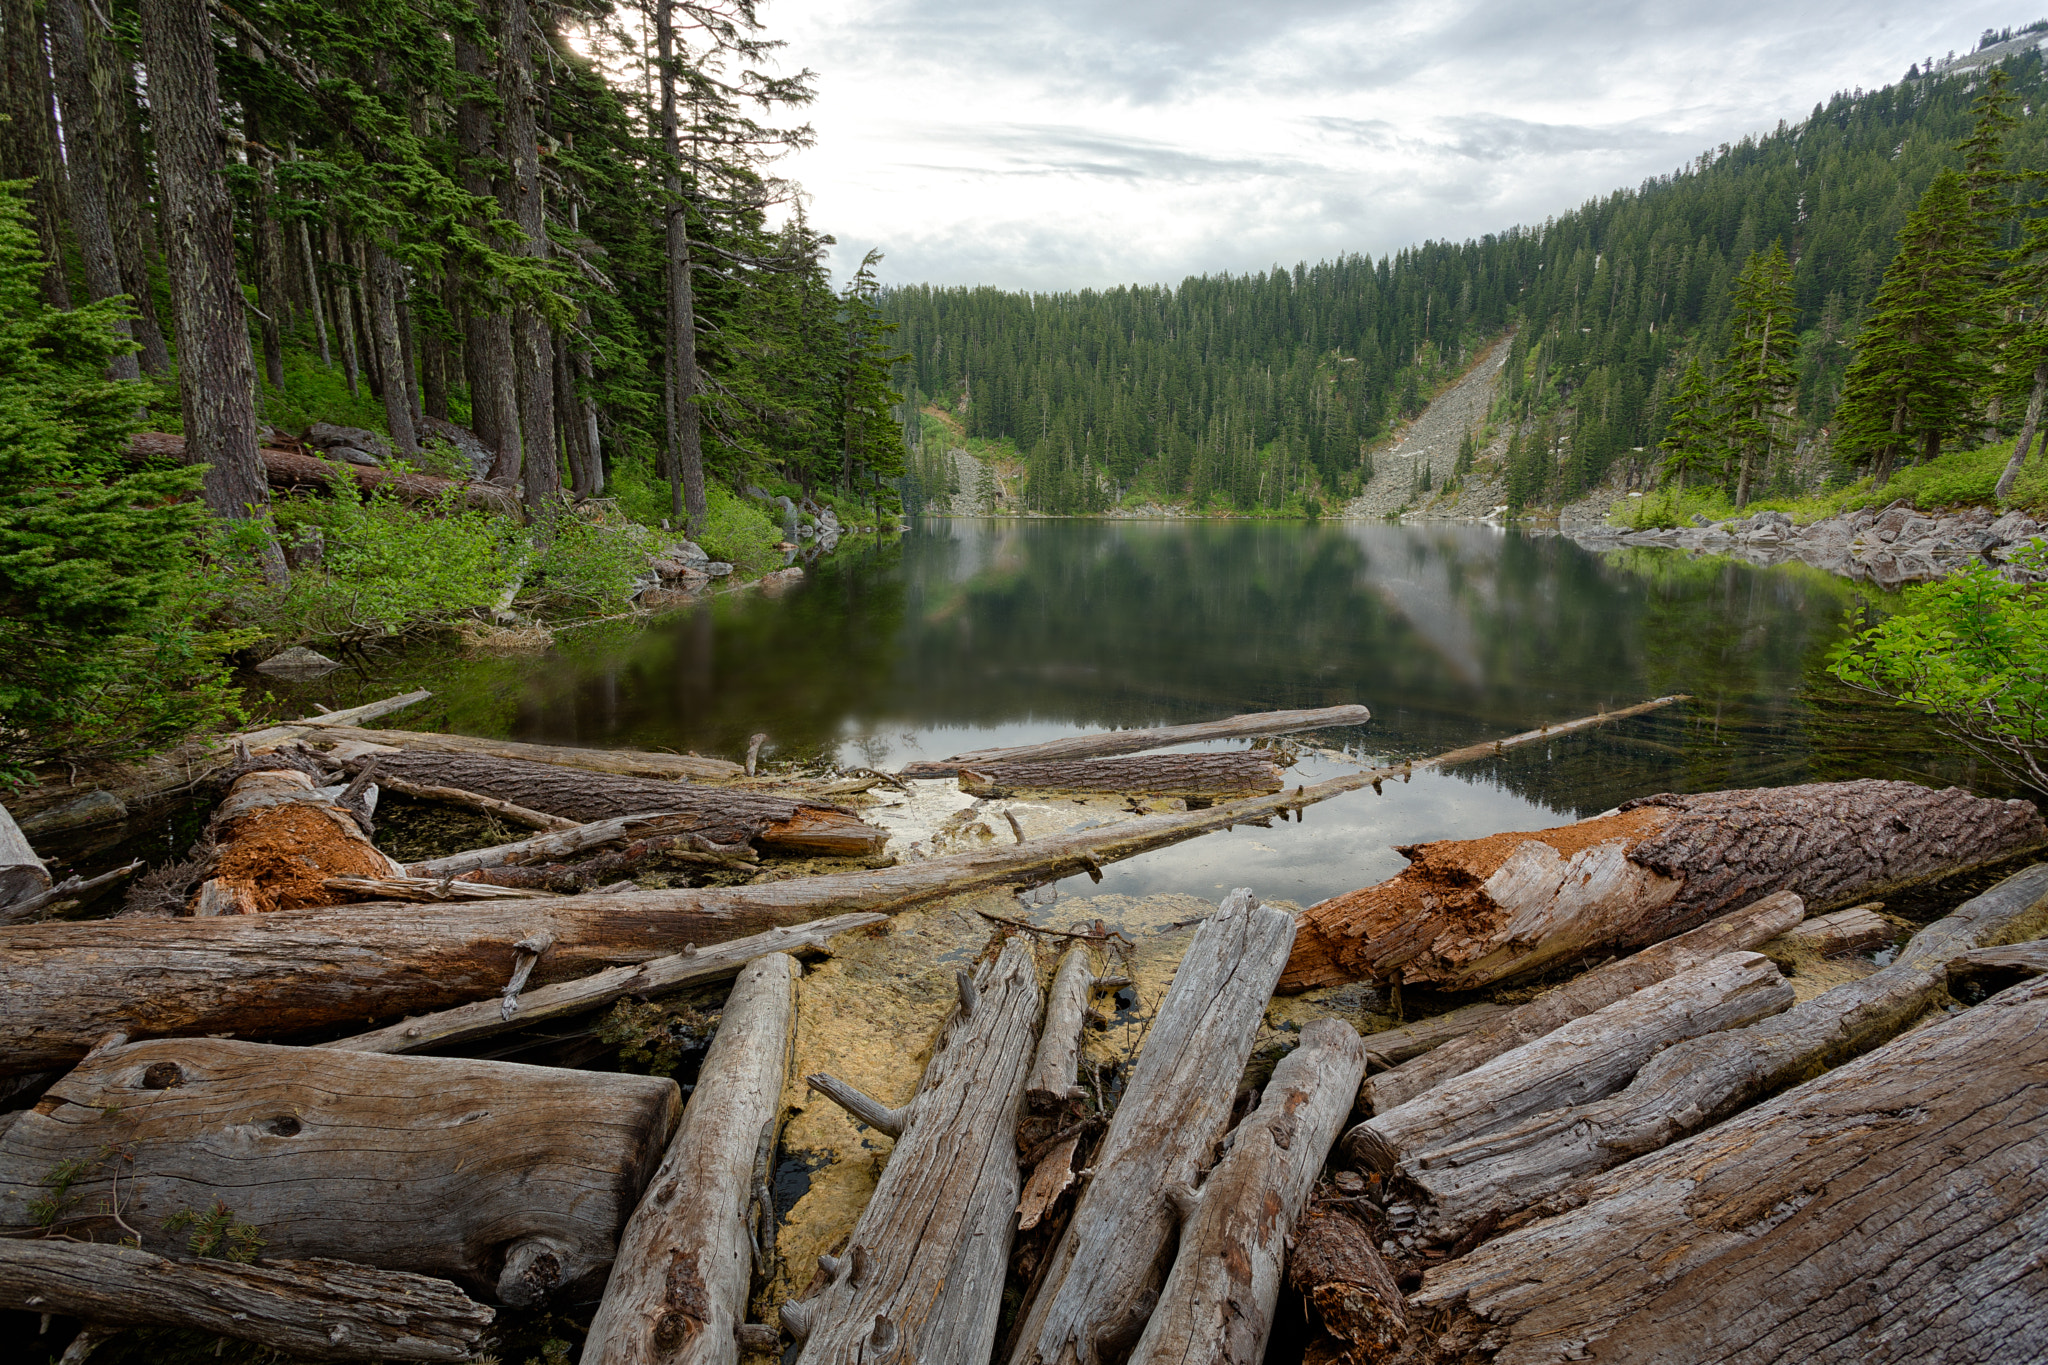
<point>691,553</point>
<point>2013,526</point>
<point>781,581</point>
<point>354,456</point>
<point>326,436</point>
<point>298,661</point>
<point>480,456</point>
<point>717,568</point>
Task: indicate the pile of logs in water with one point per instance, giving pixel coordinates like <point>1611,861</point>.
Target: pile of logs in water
<point>221,1114</point>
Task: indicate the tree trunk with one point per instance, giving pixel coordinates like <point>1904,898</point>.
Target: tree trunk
<point>522,198</point>
<point>113,96</point>
<point>1997,967</point>
<point>1469,912</point>
<point>575,435</point>
<point>2020,447</point>
<point>29,152</point>
<point>92,225</point>
<point>507,1179</point>
<point>1747,928</point>
<point>1201,775</point>
<point>313,294</point>
<point>1859,929</point>
<point>1106,1271</point>
<point>338,271</point>
<point>1336,1266</point>
<point>1218,1303</point>
<point>487,340</point>
<point>381,289</point>
<point>1698,1082</point>
<point>1137,741</point>
<point>318,1310</point>
<point>1889,1211</point>
<point>623,762</point>
<point>1052,1101</point>
<point>923,1275</point>
<point>685,1262</point>
<point>365,318</point>
<point>273,844</point>
<point>217,380</point>
<point>22,873</point>
<point>268,243</point>
<point>1582,1060</point>
<point>548,849</point>
<point>724,816</point>
<point>686,442</point>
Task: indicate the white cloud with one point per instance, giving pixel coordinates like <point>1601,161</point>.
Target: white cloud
<point>1055,145</point>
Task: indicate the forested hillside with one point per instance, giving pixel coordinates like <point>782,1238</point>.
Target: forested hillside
<point>1258,390</point>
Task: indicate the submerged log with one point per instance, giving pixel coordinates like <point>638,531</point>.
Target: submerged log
<point>723,817</point>
<point>318,1310</point>
<point>275,842</point>
<point>1746,928</point>
<point>621,762</point>
<point>923,1275</point>
<point>1580,1061</point>
<point>1468,912</point>
<point>1218,1302</point>
<point>1208,775</point>
<point>1106,1271</point>
<point>504,1178</point>
<point>22,873</point>
<point>678,1288</point>
<point>1701,1081</point>
<point>1137,741</point>
<point>1889,1211</point>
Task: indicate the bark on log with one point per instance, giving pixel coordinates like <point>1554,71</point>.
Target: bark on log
<point>1338,1269</point>
<point>70,891</point>
<point>1469,912</point>
<point>1106,1271</point>
<point>320,1310</point>
<point>640,856</point>
<point>1137,741</point>
<point>679,1285</point>
<point>465,1023</point>
<point>724,817</point>
<point>1699,1082</point>
<point>1747,928</point>
<point>504,1178</point>
<point>1218,1303</point>
<point>290,470</point>
<point>1889,1211</point>
<point>22,873</point>
<point>427,890</point>
<point>1577,1062</point>
<point>924,1272</point>
<point>1245,774</point>
<point>623,762</point>
<point>275,842</point>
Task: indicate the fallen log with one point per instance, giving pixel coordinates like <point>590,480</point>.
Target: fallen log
<point>429,890</point>
<point>923,1274</point>
<point>22,873</point>
<point>508,811</point>
<point>1106,742</point>
<point>621,762</point>
<point>550,848</point>
<point>1200,775</point>
<point>1052,1100</point>
<point>275,842</point>
<point>289,470</point>
<point>1454,1187</point>
<point>1337,1268</point>
<point>1104,1276</point>
<point>504,1178</point>
<point>1579,1061</point>
<point>1469,912</point>
<point>73,984</point>
<point>635,859</point>
<point>1390,1047</point>
<point>1218,1302</point>
<point>678,1287</point>
<point>1888,1211</point>
<point>319,1310</point>
<point>695,967</point>
<point>70,891</point>
<point>724,817</point>
<point>1993,969</point>
<point>1858,929</point>
<point>1749,927</point>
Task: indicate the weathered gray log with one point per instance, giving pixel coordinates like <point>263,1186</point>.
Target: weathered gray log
<point>1336,1266</point>
<point>1891,1210</point>
<point>428,889</point>
<point>694,967</point>
<point>72,890</point>
<point>549,848</point>
<point>1746,928</point>
<point>1052,1100</point>
<point>22,873</point>
<point>923,1274</point>
<point>678,1288</point>
<point>1579,1061</point>
<point>624,762</point>
<point>504,1178</point>
<point>1469,912</point>
<point>509,811</point>
<point>72,984</point>
<point>1218,1302</point>
<point>275,841</point>
<point>321,1310</point>
<point>1109,1264</point>
<point>1137,741</point>
<point>634,859</point>
<point>1855,930</point>
<point>1701,1081</point>
<point>724,817</point>
<point>1389,1048</point>
<point>1241,774</point>
<point>2001,965</point>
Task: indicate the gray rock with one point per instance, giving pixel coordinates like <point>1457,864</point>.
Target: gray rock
<point>298,661</point>
<point>2013,526</point>
<point>718,568</point>
<point>354,456</point>
<point>690,552</point>
<point>480,456</point>
<point>326,436</point>
<point>1699,520</point>
<point>1763,519</point>
<point>805,532</point>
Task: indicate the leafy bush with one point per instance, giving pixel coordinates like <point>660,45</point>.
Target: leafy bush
<point>588,560</point>
<point>314,393</point>
<point>738,529</point>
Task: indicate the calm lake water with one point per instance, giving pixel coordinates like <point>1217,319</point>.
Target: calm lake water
<point>967,633</point>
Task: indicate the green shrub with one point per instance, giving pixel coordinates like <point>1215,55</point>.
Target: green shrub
<point>738,530</point>
<point>589,561</point>
<point>314,393</point>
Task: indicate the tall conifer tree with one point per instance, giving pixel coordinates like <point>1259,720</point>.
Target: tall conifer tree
<point>1693,451</point>
<point>1758,377</point>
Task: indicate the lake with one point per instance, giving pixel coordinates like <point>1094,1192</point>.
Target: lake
<point>970,633</point>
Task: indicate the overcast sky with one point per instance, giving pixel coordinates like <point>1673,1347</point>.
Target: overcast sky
<point>1055,144</point>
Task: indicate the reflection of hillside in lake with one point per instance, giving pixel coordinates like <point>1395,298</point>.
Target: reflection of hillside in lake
<point>970,633</point>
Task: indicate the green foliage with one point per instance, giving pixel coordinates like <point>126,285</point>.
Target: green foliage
<point>738,530</point>
<point>1972,652</point>
<point>44,1210</point>
<point>589,563</point>
<point>652,1037</point>
<point>315,393</point>
<point>1693,450</point>
<point>1757,374</point>
<point>219,1234</point>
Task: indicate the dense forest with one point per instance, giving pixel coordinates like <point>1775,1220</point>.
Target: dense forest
<point>1254,390</point>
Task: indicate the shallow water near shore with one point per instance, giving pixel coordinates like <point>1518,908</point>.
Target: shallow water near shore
<point>968,633</point>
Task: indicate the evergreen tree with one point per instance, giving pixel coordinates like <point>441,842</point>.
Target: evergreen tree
<point>1758,378</point>
<point>871,443</point>
<point>1916,374</point>
<point>1693,450</point>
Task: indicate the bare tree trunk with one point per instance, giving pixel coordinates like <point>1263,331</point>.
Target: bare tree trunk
<point>313,296</point>
<point>408,343</point>
<point>1200,775</point>
<point>382,287</point>
<point>269,244</point>
<point>522,196</point>
<point>569,417</point>
<point>29,151</point>
<point>121,157</point>
<point>2027,430</point>
<point>686,441</point>
<point>217,380</point>
<point>338,272</point>
<point>84,143</point>
<point>487,340</point>
<point>365,316</point>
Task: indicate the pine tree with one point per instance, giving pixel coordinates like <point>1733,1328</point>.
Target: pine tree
<point>1917,371</point>
<point>1692,446</point>
<point>1758,377</point>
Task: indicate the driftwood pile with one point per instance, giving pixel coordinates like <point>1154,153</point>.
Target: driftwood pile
<point>234,1129</point>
